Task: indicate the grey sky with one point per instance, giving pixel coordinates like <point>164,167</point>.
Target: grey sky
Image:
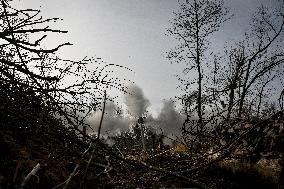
<point>131,33</point>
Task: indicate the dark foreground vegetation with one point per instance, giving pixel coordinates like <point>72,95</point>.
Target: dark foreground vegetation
<point>44,102</point>
<point>252,159</point>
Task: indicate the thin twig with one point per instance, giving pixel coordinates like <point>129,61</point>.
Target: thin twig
<point>71,176</point>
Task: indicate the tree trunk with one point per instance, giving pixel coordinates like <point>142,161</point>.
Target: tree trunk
<point>199,97</point>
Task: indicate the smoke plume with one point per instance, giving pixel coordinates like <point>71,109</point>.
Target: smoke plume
<point>135,101</point>
<point>112,122</point>
<point>169,119</point>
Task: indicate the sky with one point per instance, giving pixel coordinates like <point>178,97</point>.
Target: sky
<point>132,33</point>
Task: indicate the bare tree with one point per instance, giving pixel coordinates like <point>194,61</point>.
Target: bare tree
<point>69,90</point>
<point>192,25</point>
<point>251,66</point>
<point>262,52</point>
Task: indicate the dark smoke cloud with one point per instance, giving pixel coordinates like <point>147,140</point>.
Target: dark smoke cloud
<point>135,101</point>
<point>169,120</point>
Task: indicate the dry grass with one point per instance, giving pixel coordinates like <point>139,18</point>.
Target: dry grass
<point>265,169</point>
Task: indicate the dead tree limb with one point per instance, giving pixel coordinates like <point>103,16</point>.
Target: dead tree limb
<point>28,177</point>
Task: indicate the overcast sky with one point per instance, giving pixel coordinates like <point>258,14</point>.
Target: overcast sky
<point>132,33</point>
